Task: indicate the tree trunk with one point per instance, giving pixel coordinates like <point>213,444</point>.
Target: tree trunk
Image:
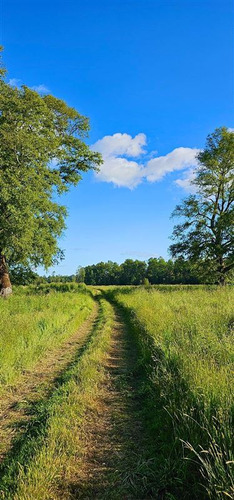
<point>222,276</point>
<point>5,284</point>
<point>222,280</point>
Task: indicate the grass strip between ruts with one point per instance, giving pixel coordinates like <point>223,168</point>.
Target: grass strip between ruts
<point>51,443</point>
<point>191,439</point>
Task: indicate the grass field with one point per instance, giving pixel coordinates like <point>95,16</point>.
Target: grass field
<point>187,349</point>
<point>54,454</point>
<point>32,322</point>
<point>142,409</point>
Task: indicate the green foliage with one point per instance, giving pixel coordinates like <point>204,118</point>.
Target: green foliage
<point>134,272</point>
<point>57,286</point>
<point>181,271</point>
<point>58,278</point>
<point>207,234</point>
<point>103,273</point>
<point>186,349</point>
<point>80,275</point>
<point>42,153</point>
<point>22,275</point>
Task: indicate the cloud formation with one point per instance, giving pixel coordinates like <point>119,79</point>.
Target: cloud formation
<point>124,166</point>
<point>178,159</point>
<point>121,144</point>
<point>41,88</point>
<point>15,82</point>
<point>118,167</point>
<point>186,182</point>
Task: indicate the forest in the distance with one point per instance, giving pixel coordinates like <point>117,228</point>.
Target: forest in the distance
<point>155,271</point>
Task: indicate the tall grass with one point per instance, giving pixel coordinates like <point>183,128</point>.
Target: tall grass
<point>48,459</point>
<point>187,349</point>
<point>32,323</point>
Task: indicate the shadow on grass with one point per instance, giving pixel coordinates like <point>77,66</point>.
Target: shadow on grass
<point>118,464</point>
<point>32,439</point>
<point>170,414</point>
<point>136,452</point>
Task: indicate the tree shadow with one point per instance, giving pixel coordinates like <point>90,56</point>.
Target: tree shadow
<point>37,413</point>
<point>169,413</point>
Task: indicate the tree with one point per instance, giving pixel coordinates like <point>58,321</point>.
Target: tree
<point>185,272</point>
<point>159,271</point>
<point>206,235</point>
<point>42,153</point>
<point>132,272</point>
<point>21,275</point>
<point>90,276</point>
<point>80,274</point>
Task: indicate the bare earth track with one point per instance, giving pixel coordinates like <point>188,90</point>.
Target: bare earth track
<point>89,421</point>
<point>113,464</point>
<point>37,384</point>
<point>113,461</point>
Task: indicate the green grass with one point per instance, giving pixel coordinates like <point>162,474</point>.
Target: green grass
<point>186,347</point>
<point>48,453</point>
<point>184,378</point>
<point>31,323</point>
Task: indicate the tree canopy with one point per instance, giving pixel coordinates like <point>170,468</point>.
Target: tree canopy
<point>135,272</point>
<point>42,153</point>
<point>206,235</point>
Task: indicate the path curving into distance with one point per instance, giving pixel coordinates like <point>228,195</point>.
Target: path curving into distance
<point>17,406</point>
<point>112,464</point>
<point>91,442</point>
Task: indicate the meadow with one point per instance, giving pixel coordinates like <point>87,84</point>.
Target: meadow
<point>185,338</point>
<point>34,321</point>
<point>143,409</point>
<point>54,451</point>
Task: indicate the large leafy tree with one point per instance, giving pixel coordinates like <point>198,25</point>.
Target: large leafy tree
<point>42,153</point>
<point>160,271</point>
<point>132,272</point>
<point>206,235</point>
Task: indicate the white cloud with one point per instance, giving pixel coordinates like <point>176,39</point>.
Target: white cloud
<point>116,150</point>
<point>121,171</point>
<point>186,181</point>
<point>178,159</point>
<point>121,144</point>
<point>15,82</point>
<point>230,129</point>
<point>119,168</point>
<point>41,89</point>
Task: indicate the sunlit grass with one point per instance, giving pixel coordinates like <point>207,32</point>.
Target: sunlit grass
<point>49,458</point>
<point>31,324</point>
<point>190,351</point>
<point>185,352</point>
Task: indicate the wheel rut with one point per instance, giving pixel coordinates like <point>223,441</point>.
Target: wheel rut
<point>16,408</point>
<point>112,465</point>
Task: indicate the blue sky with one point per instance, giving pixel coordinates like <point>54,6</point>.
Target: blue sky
<point>154,77</point>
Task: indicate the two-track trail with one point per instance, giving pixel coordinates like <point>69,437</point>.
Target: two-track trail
<point>111,456</point>
<point>115,463</point>
<point>16,407</point>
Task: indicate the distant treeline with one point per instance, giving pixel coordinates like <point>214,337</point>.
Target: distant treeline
<point>137,272</point>
<point>131,272</point>
<point>156,271</point>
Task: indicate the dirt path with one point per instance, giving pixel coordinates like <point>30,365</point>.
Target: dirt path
<point>16,406</point>
<point>114,463</point>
